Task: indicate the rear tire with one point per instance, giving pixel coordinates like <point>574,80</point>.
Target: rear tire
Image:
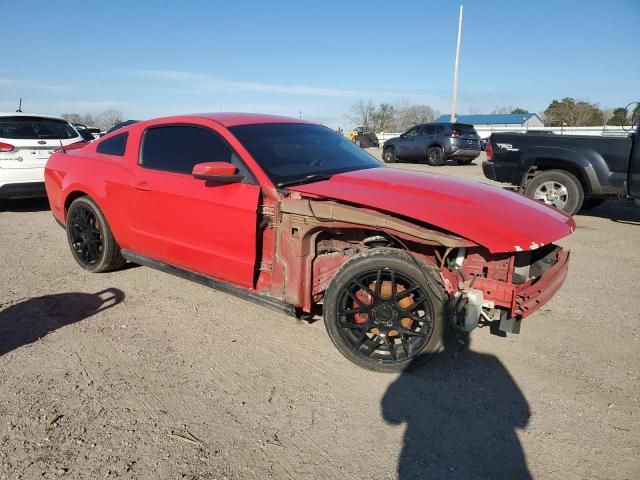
<point>435,156</point>
<point>557,188</point>
<point>390,155</point>
<point>370,325</point>
<point>90,239</point>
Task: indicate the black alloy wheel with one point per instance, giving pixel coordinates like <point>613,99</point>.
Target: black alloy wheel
<point>382,317</point>
<point>90,238</point>
<point>85,234</point>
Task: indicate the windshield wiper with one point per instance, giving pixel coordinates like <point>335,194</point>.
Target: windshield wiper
<point>307,179</point>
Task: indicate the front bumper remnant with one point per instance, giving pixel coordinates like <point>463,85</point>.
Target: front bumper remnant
<point>530,297</point>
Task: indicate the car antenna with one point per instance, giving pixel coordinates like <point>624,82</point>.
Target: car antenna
<point>19,110</point>
<point>62,147</point>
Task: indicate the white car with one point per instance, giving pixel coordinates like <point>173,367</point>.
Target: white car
<point>26,142</point>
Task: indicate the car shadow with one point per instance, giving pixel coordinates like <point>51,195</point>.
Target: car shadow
<point>39,204</point>
<point>462,411</point>
<point>620,211</point>
<point>29,320</point>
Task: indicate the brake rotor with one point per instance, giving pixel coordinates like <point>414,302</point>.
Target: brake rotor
<point>386,288</point>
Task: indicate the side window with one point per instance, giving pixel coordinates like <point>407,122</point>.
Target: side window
<point>413,132</point>
<point>115,145</point>
<point>177,148</point>
<point>429,130</point>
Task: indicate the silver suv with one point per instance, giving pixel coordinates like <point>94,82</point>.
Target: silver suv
<point>434,143</point>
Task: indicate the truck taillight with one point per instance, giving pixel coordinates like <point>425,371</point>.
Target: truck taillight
<point>488,150</point>
<point>5,147</point>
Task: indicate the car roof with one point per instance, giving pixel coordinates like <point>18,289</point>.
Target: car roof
<point>233,119</point>
<point>23,114</point>
<point>226,119</point>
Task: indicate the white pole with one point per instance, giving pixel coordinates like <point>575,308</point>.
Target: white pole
<point>455,70</point>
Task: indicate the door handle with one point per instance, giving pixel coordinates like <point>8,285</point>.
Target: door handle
<point>143,187</point>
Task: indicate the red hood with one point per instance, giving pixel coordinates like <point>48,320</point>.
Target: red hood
<point>498,219</point>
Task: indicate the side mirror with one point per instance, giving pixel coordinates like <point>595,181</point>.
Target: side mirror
<point>219,172</point>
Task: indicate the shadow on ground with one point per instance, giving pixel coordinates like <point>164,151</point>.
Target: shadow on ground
<point>461,410</point>
<point>25,205</point>
<point>30,320</point>
<point>621,211</point>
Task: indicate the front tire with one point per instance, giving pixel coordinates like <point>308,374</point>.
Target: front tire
<point>385,313</point>
<point>90,238</point>
<point>435,156</point>
<point>557,188</point>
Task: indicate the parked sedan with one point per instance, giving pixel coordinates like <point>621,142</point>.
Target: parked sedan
<point>26,141</point>
<point>435,144</point>
<point>293,216</point>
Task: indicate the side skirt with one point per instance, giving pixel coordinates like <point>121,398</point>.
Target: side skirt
<point>225,287</point>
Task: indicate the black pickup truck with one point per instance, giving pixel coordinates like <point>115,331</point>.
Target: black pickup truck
<point>569,172</point>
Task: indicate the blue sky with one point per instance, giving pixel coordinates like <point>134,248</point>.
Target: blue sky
<point>152,58</point>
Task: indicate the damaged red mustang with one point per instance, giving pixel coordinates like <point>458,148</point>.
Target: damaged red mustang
<point>294,216</point>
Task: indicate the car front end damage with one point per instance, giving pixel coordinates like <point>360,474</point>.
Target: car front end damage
<point>317,237</point>
<point>502,289</point>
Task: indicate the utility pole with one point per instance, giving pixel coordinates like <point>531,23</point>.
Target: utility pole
<point>455,70</point>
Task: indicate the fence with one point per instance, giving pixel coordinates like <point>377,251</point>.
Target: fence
<point>486,130</point>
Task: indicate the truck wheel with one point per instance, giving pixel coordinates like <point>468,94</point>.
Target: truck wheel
<point>390,155</point>
<point>435,156</point>
<point>90,238</point>
<point>383,312</point>
<point>590,203</point>
<point>557,188</point>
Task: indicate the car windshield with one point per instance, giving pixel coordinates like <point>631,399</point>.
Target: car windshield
<point>289,153</point>
<point>25,128</point>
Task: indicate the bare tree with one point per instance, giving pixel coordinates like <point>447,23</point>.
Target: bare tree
<point>409,115</point>
<point>108,119</point>
<point>361,114</point>
<point>72,117</point>
<point>389,118</point>
<point>502,109</point>
<point>383,119</point>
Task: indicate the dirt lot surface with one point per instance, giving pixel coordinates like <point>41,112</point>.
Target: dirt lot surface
<point>138,374</point>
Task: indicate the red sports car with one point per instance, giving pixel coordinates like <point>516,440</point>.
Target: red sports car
<point>294,216</point>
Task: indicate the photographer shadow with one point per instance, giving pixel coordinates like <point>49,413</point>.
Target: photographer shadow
<point>29,320</point>
<point>461,411</point>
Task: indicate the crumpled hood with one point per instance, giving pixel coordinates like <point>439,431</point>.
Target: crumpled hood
<point>498,219</point>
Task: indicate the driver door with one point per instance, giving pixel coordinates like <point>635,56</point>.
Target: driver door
<point>198,225</point>
<point>407,147</point>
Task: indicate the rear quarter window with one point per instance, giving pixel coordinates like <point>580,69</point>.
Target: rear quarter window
<point>26,128</point>
<point>115,145</point>
<point>463,128</point>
